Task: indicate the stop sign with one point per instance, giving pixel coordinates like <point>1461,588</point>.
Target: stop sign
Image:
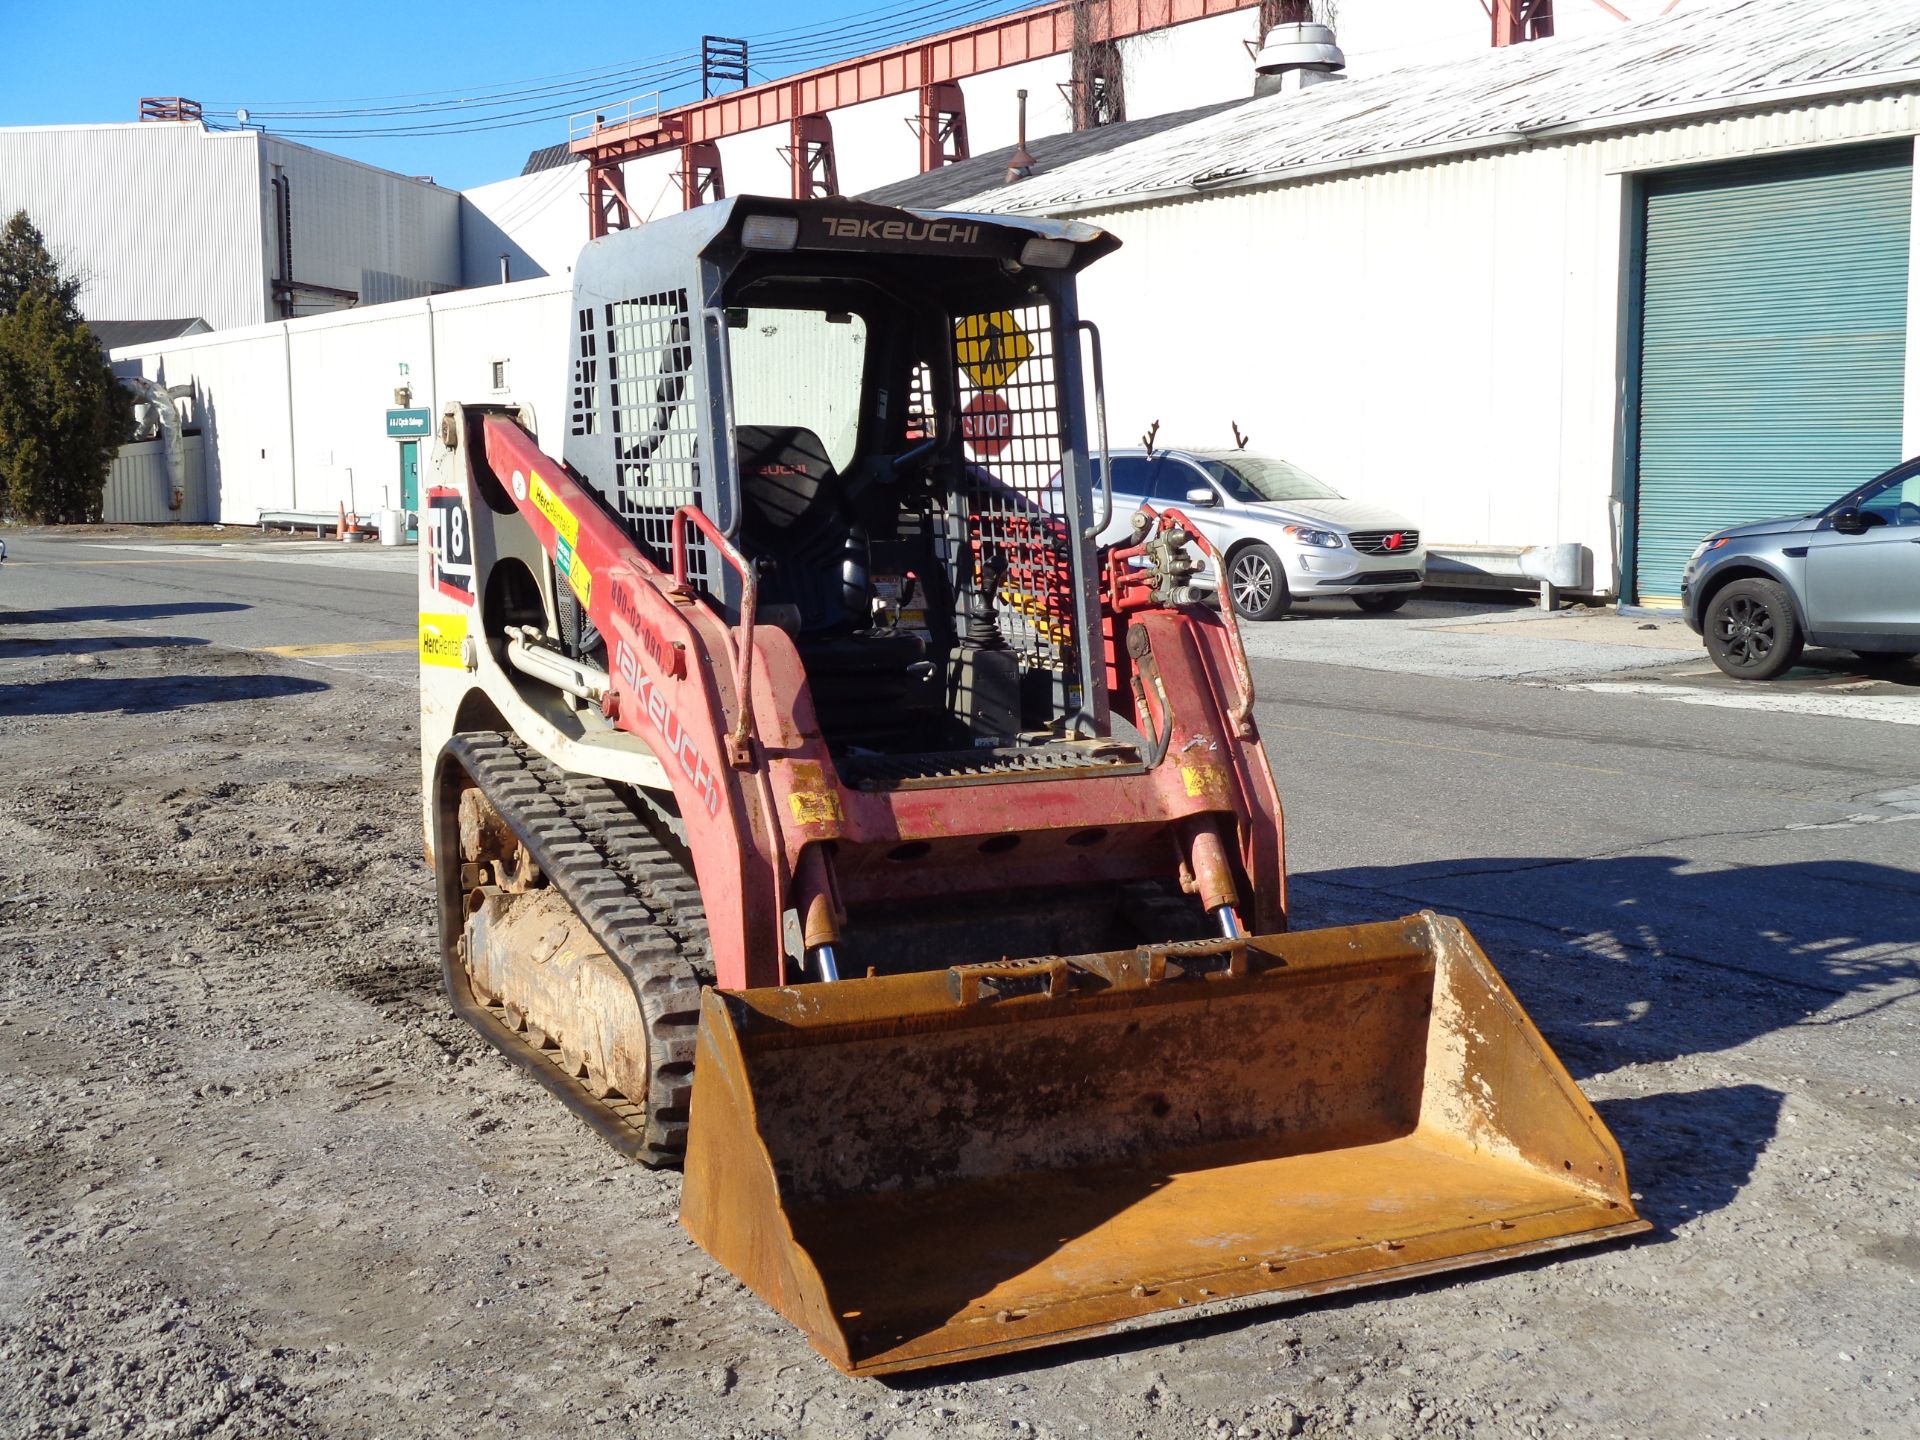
<point>986,424</point>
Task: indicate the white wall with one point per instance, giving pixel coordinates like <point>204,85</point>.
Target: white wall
<point>1442,338</point>
<point>873,144</point>
<point>294,413</point>
<point>1188,65</point>
<point>538,221</point>
<point>162,220</point>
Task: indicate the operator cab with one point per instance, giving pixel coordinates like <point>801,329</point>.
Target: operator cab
<point>894,402</point>
<point>925,570</point>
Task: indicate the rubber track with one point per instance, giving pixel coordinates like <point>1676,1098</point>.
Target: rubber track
<point>641,906</point>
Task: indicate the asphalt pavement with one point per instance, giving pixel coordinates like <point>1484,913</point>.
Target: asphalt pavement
<point>346,608</point>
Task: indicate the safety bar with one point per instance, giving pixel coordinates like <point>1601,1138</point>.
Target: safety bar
<point>1242,673</point>
<point>740,742</point>
<point>1100,418</point>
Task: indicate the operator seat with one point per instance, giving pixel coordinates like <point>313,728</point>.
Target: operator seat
<point>868,687</point>
<point>792,515</point>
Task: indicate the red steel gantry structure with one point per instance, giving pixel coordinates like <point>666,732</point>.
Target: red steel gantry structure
<point>933,67</point>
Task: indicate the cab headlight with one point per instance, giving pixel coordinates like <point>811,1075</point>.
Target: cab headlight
<point>1326,539</point>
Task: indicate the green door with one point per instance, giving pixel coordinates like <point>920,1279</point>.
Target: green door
<point>410,475</point>
<point>1773,336</point>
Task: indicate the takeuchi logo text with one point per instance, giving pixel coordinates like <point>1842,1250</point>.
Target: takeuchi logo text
<point>934,232</point>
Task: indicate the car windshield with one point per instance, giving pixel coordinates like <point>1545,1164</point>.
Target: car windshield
<point>1259,477</point>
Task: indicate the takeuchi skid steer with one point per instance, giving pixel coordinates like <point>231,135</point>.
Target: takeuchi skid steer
<point>812,803</point>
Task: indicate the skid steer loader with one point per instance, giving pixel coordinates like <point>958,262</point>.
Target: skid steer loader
<point>812,804</point>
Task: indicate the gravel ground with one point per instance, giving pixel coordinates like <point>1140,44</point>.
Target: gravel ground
<point>256,1181</point>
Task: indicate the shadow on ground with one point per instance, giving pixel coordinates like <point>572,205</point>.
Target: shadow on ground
<point>1646,958</point>
<point>157,610</point>
<point>99,695</point>
<point>1690,1152</point>
<point>40,647</point>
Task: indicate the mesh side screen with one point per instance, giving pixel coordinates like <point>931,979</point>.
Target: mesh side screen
<point>655,419</point>
<point>585,416</point>
<point>1017,504</point>
<point>920,419</point>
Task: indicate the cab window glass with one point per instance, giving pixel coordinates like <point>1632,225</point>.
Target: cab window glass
<point>803,369</point>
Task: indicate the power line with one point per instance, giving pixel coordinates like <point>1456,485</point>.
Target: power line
<point>486,109</point>
<point>512,120</point>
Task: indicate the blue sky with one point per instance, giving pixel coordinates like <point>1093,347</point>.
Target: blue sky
<point>419,64</point>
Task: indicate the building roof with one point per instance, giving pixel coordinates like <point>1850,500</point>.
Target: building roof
<point>1709,56</point>
<point>942,187</point>
<point>114,333</point>
<point>549,157</point>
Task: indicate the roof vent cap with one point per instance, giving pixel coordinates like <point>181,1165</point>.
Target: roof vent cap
<point>1299,47</point>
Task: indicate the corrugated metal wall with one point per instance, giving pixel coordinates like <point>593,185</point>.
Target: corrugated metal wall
<point>1774,339</point>
<point>162,219</point>
<point>140,487</point>
<point>383,236</point>
<point>1445,338</point>
<point>170,221</point>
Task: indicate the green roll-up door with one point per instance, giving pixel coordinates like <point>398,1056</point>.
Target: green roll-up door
<point>1772,344</point>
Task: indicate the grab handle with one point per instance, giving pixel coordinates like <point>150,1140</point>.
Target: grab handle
<point>1100,418</point>
<point>740,742</point>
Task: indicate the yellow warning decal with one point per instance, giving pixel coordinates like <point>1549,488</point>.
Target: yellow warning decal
<point>813,800</point>
<point>1207,781</point>
<point>442,637</point>
<point>815,808</point>
<point>555,509</point>
<point>990,348</point>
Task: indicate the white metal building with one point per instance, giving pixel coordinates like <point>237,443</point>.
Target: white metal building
<point>292,414</point>
<point>1614,291</point>
<point>170,219</point>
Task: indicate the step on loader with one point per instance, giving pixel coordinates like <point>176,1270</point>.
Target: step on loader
<point>812,804</point>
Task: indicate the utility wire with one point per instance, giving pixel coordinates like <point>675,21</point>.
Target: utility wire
<point>484,110</point>
<point>510,120</point>
<point>509,85</point>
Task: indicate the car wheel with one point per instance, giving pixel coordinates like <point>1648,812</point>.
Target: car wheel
<point>1257,583</point>
<point>1751,630</point>
<point>1383,604</point>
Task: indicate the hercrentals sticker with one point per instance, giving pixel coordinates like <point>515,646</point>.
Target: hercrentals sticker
<point>563,520</point>
<point>441,639</point>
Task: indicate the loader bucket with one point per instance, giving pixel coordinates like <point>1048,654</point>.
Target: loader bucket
<point>926,1168</point>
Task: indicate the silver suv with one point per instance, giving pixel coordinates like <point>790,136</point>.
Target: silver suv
<point>1848,575</point>
<point>1283,534</point>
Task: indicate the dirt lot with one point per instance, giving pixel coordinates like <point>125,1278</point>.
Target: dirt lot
<point>255,1181</point>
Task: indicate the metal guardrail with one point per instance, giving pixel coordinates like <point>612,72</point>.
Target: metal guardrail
<point>587,123</point>
<point>1513,567</point>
